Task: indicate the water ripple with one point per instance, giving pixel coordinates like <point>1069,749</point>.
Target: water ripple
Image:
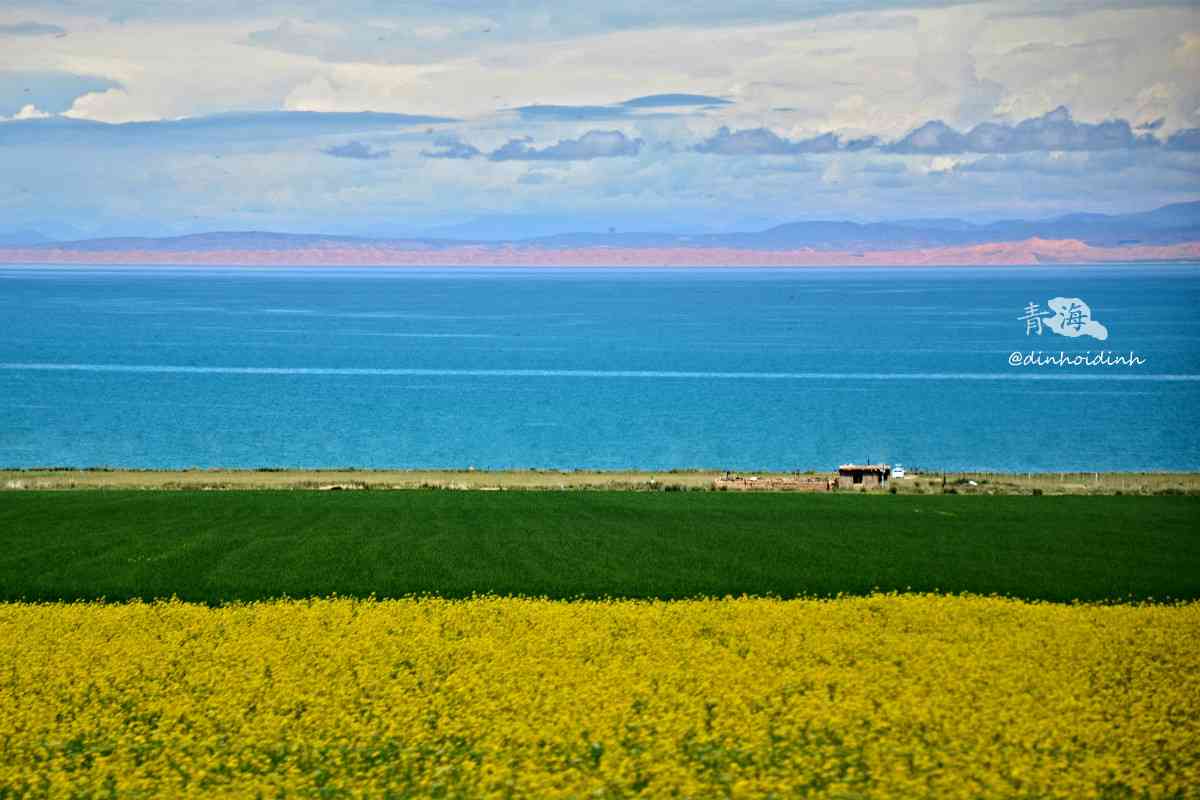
<point>600,373</point>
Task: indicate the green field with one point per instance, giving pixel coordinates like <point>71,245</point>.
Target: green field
<point>246,545</point>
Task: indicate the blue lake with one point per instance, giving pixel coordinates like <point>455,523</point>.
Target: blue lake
<point>575,368</point>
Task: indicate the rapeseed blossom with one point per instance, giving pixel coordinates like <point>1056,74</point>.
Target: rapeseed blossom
<point>888,696</point>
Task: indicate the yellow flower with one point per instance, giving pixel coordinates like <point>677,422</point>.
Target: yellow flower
<point>889,696</point>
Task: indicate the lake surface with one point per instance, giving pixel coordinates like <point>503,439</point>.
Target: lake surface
<point>574,368</point>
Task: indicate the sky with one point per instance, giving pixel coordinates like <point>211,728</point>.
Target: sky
<point>520,118</point>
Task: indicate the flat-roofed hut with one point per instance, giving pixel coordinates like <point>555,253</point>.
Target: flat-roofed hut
<point>863,476</point>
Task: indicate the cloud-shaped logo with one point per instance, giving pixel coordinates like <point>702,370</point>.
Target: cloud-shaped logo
<point>1073,318</point>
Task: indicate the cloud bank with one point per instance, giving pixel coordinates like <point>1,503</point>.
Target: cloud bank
<point>661,103</point>
<point>593,144</point>
<point>762,142</point>
<point>451,147</point>
<point>1053,131</point>
<point>675,101</point>
<point>356,150</point>
<point>212,130</point>
<point>32,29</point>
<point>159,117</point>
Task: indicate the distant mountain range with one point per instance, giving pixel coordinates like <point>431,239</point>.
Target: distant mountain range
<point>1170,232</point>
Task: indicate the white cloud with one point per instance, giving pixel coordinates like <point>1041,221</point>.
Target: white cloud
<point>1107,62</point>
<point>28,111</point>
<point>114,105</point>
<point>164,71</point>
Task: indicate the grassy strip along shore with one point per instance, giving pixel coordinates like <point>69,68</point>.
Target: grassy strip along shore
<point>249,545</point>
<point>1151,483</point>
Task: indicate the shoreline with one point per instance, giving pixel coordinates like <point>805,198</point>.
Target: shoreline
<point>1027,252</point>
<point>1190,261</point>
<point>929,482</point>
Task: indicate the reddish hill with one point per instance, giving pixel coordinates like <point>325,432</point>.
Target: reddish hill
<point>351,253</point>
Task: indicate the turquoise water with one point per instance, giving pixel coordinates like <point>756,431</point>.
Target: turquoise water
<point>571,368</point>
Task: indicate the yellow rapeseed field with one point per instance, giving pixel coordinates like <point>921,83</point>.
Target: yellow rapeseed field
<point>888,696</point>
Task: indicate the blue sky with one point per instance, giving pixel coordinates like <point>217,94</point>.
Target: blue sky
<point>524,118</point>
